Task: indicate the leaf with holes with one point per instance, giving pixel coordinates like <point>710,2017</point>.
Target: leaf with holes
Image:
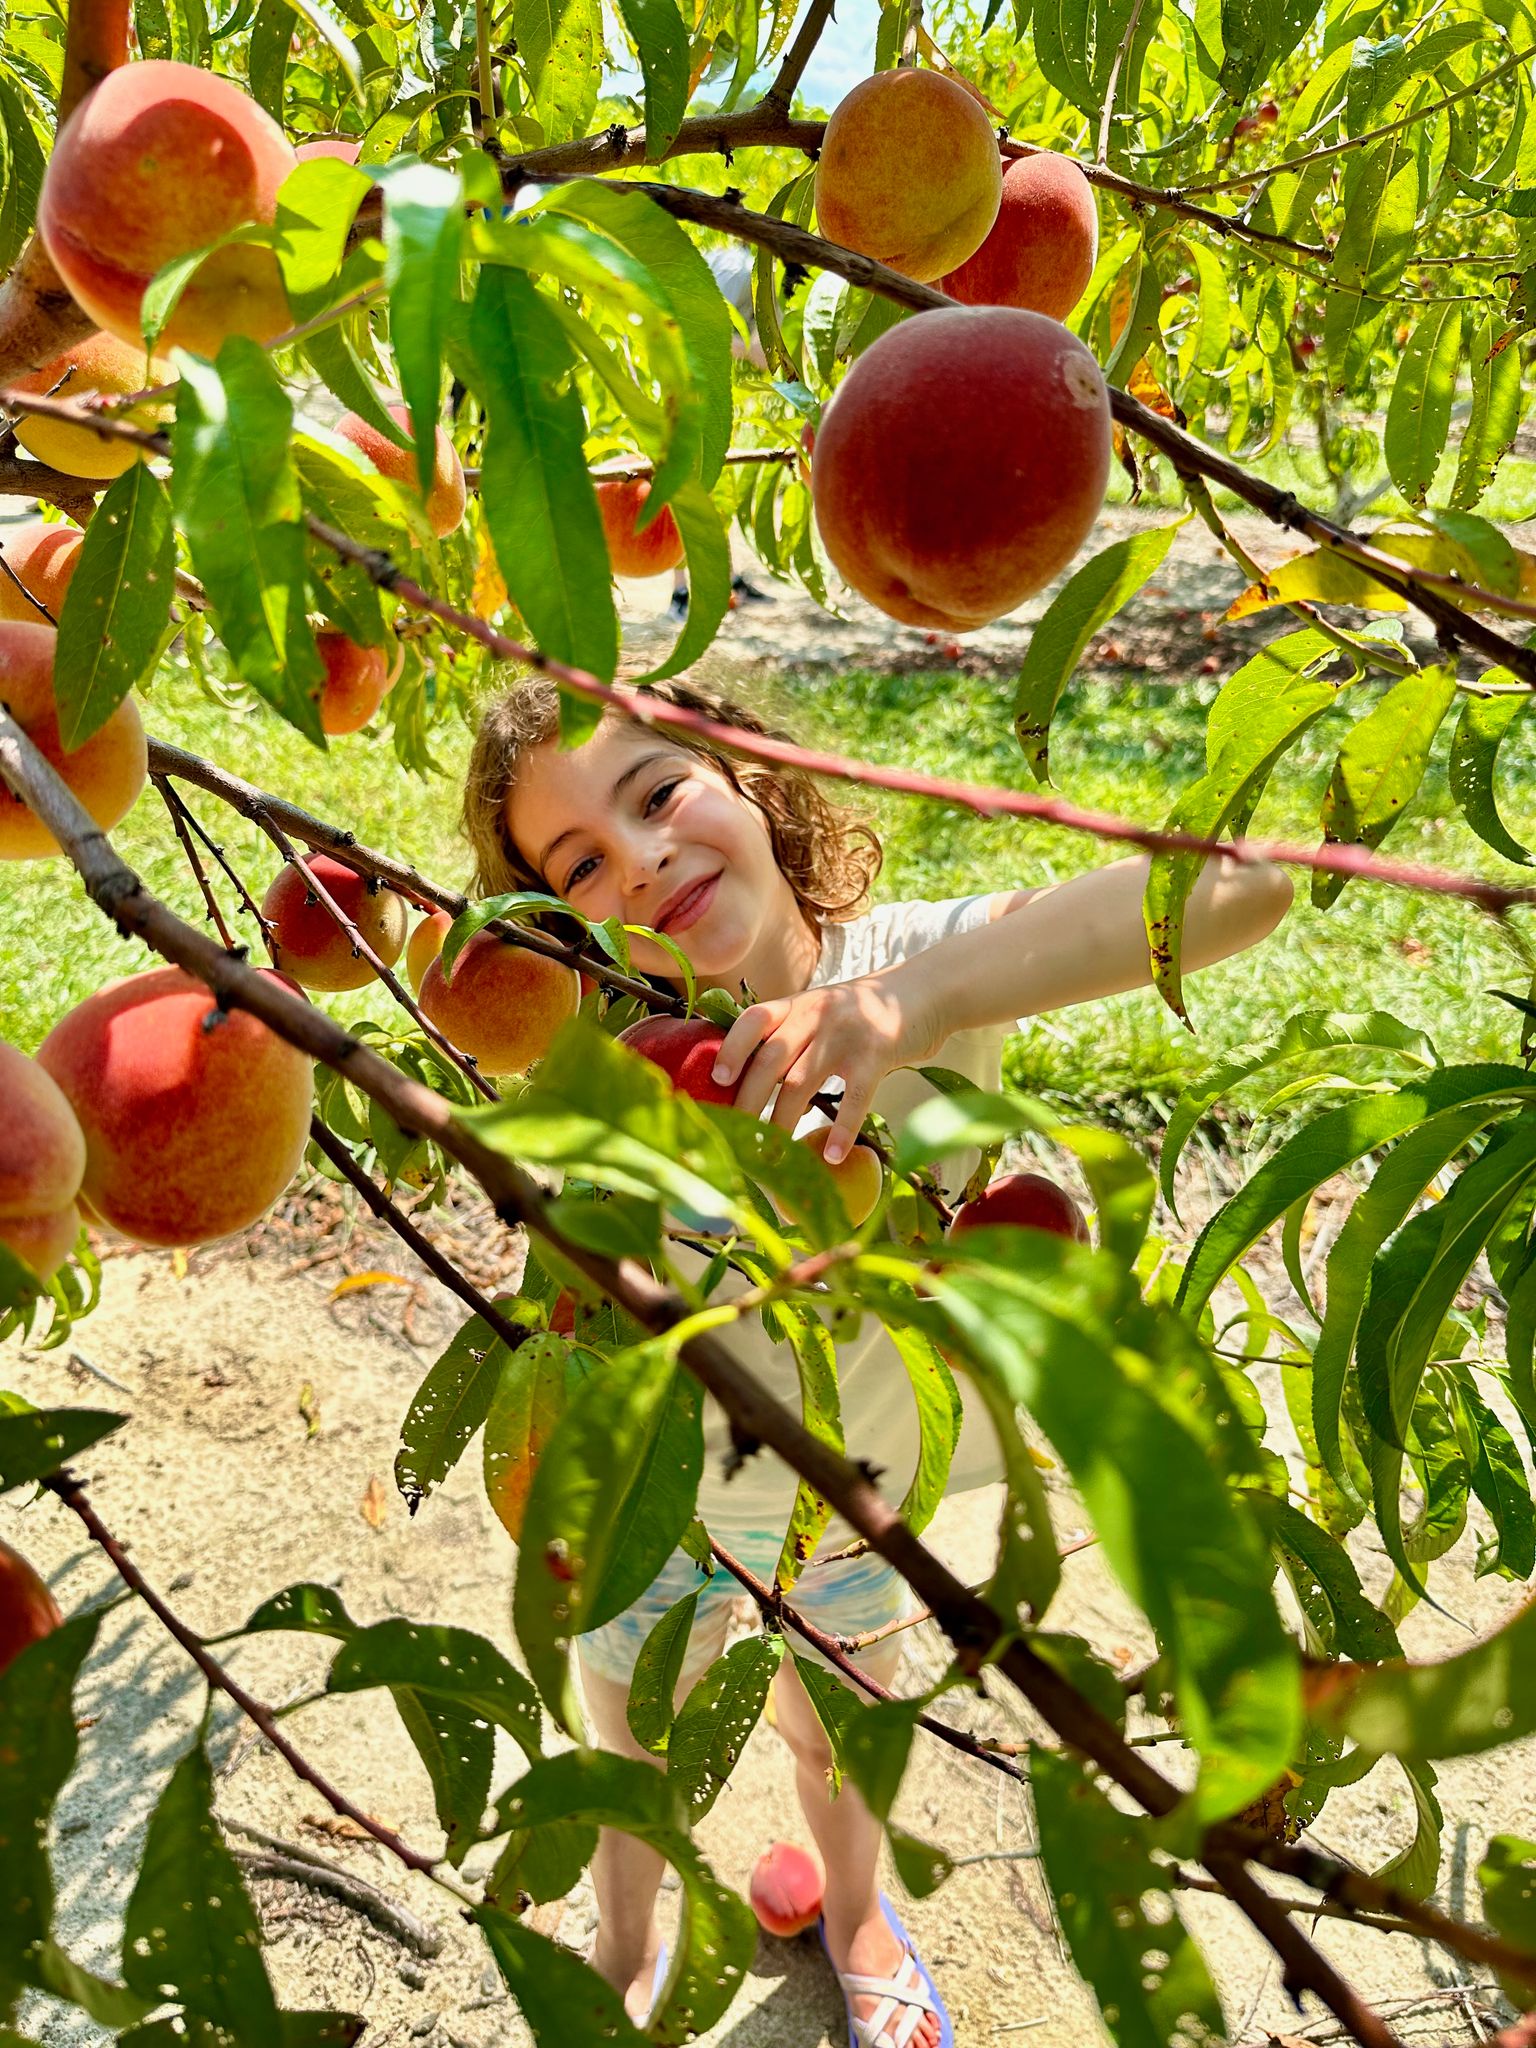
<point>716,1718</point>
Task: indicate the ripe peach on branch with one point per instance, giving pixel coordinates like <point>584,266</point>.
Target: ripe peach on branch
<point>37,559</point>
<point>503,1003</point>
<point>357,681</point>
<point>195,1118</point>
<point>631,553</point>
<point>310,946</point>
<point>1043,245</point>
<point>42,1163</point>
<point>685,1049</point>
<point>447,497</point>
<point>100,365</point>
<point>1029,1199</point>
<point>28,1611</point>
<point>106,773</point>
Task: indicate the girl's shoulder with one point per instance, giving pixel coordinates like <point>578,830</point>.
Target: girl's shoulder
<point>893,932</point>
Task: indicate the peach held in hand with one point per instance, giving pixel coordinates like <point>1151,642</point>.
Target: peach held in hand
<point>311,946</point>
<point>195,1118</point>
<point>684,1048</point>
<point>106,773</point>
<point>786,1889</point>
<point>157,161</point>
<point>1043,246</point>
<point>859,1176</point>
<point>1024,1198</point>
<point>962,464</point>
<point>504,1004</point>
<point>909,173</point>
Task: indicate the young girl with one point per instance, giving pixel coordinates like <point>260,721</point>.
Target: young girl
<point>760,879</point>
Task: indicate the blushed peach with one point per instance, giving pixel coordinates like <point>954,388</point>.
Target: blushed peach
<point>42,1163</point>
<point>684,1048</point>
<point>859,1176</point>
<point>195,1118</point>
<point>424,945</point>
<point>504,1004</point>
<point>786,1889</point>
<point>445,500</point>
<point>37,559</point>
<point>28,1611</point>
<point>106,774</point>
<point>158,160</point>
<point>356,683</point>
<point>99,364</point>
<point>658,548</point>
<point>310,945</point>
<point>962,464</point>
<point>344,147</point>
<point>909,173</point>
<point>1029,1199</point>
<point>1043,245</point>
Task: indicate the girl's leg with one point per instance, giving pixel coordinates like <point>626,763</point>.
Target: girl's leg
<point>626,1872</point>
<point>848,1836</point>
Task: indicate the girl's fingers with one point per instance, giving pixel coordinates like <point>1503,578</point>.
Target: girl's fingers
<point>800,1083</point>
<point>741,1042</point>
<point>766,1069</point>
<point>850,1121</point>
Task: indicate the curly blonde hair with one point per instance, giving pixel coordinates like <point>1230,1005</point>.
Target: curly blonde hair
<point>828,857</point>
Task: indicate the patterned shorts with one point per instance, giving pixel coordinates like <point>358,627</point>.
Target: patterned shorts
<point>845,1598</point>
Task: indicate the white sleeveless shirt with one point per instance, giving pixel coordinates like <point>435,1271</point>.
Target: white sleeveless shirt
<point>879,1412</point>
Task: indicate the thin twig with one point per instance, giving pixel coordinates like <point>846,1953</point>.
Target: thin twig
<point>1107,117</point>
<point>290,1863</point>
<point>179,817</point>
<point>780,95</point>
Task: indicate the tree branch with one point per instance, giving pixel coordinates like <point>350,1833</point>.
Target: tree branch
<point>95,42</point>
<point>780,95</point>
<point>290,1863</point>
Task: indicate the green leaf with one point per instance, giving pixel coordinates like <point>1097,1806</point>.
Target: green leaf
<point>336,40</point>
<point>39,1440</point>
<point>539,505</point>
<point>1325,1147</point>
<point>1328,1587</point>
<point>1507,1875</point>
<point>1480,731</point>
<point>546,1862</point>
<point>1089,600</point>
<point>316,204</point>
<point>939,1415</point>
<point>1262,711</point>
<point>453,1663</point>
<point>1381,765</point>
<point>21,172</point>
<point>1419,415</point>
<point>821,1412</point>
<point>565,2002</point>
<point>111,2005</point>
<point>304,1609</point>
<point>271,42</point>
<point>921,1867</point>
<point>423,227</point>
<point>659,1666</point>
<point>876,1740</point>
<point>528,1399</point>
<point>1498,1479</point>
<point>1457,1707</point>
<point>716,1718</point>
<point>560,46</point>
<point>707,548</point>
<point>1378,217</point>
<point>661,41</point>
<point>116,606</point>
<point>1416,1869</point>
<point>458,1753</point>
<point>1149,1978</point>
<point>612,1495</point>
<point>447,1408</point>
<point>190,1931</point>
<point>38,1745</point>
<point>1495,418</point>
<point>236,493</point>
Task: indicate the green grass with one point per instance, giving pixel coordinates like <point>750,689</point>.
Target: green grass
<point>1126,746</point>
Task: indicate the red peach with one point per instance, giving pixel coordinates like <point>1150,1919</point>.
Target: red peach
<point>786,1890</point>
<point>684,1048</point>
<point>356,683</point>
<point>1029,1199</point>
<point>195,1118</point>
<point>445,500</point>
<point>962,464</point>
<point>310,945</point>
<point>42,1163</point>
<point>106,773</point>
<point>345,147</point>
<point>40,556</point>
<point>630,553</point>
<point>1042,249</point>
<point>504,1003</point>
<point>424,945</point>
<point>28,1611</point>
<point>158,160</point>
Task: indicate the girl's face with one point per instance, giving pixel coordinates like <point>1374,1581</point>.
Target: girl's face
<point>629,825</point>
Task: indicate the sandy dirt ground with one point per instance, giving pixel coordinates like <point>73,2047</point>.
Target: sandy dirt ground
<point>225,1496</point>
<point>227,1491</point>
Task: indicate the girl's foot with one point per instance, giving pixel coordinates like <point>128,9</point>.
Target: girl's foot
<point>874,1950</point>
<point>638,1985</point>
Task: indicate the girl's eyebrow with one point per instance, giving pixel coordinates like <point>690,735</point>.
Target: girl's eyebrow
<point>620,785</point>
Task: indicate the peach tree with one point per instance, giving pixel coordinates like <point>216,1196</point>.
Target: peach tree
<point>350,353</point>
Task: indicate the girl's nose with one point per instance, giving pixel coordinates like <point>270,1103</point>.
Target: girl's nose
<point>643,863</point>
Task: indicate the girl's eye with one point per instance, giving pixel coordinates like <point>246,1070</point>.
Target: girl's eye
<point>579,873</point>
<point>660,793</point>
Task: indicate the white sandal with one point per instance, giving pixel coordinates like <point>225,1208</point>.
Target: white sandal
<point>904,1998</point>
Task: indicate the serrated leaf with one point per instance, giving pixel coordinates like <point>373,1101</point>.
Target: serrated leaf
<point>1499,1482</point>
<point>1495,417</point>
<point>458,1753</point>
<point>115,609</point>
<point>316,203</point>
<point>236,493</point>
<point>661,41</point>
<point>612,1495</point>
<point>39,1440</point>
<point>536,494</point>
<point>190,1931</point>
<point>1326,1582</point>
<point>1419,415</point>
<point>1381,765</point>
<point>563,2000</point>
<point>335,38</point>
<point>545,1862</point>
<point>454,1663</point>
<point>821,1412</point>
<point>423,227</point>
<point>560,45</point>
<point>304,1609</point>
<point>1459,1706</point>
<point>447,1408</point>
<point>714,1721</point>
<point>1480,732</point>
<point>1089,600</point>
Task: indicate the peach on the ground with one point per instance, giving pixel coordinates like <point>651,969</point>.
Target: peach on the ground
<point>106,774</point>
<point>159,160</point>
<point>660,547</point>
<point>99,364</point>
<point>445,500</point>
<point>684,1048</point>
<point>504,1004</point>
<point>356,683</point>
<point>424,945</point>
<point>1030,1199</point>
<point>39,556</point>
<point>859,1175</point>
<point>1043,245</point>
<point>909,173</point>
<point>28,1611</point>
<point>962,464</point>
<point>195,1118</point>
<point>310,945</point>
<point>42,1163</point>
<point>786,1889</point>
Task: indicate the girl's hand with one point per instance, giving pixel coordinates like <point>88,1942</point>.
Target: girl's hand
<point>859,1030</point>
